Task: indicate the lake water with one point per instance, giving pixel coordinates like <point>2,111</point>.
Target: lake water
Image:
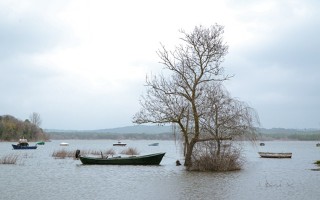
<point>40,176</point>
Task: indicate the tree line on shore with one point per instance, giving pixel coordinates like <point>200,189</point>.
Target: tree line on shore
<point>312,135</point>
<point>13,129</point>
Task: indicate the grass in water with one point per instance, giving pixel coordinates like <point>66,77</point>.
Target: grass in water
<point>9,159</point>
<point>62,153</point>
<point>130,151</point>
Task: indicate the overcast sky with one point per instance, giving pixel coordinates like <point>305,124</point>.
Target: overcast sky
<point>82,64</point>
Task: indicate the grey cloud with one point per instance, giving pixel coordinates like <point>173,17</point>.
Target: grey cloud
<point>28,33</point>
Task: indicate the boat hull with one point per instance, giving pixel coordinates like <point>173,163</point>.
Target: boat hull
<point>151,159</point>
<point>154,144</point>
<point>23,147</point>
<point>40,143</point>
<point>274,155</point>
<point>64,144</point>
<point>121,145</point>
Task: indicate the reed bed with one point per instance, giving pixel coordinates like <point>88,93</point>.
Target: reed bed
<point>62,153</point>
<point>130,151</point>
<point>9,159</point>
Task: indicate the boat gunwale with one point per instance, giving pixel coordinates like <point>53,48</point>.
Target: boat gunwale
<point>122,158</point>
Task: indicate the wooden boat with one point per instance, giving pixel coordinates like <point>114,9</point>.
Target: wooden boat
<point>154,144</point>
<point>262,144</point>
<point>151,159</point>
<point>119,144</point>
<point>23,144</point>
<point>318,145</point>
<point>274,155</point>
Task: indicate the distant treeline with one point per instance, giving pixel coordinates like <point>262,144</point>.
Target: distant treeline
<point>289,134</point>
<point>295,136</point>
<point>111,136</point>
<point>304,136</point>
<point>12,129</point>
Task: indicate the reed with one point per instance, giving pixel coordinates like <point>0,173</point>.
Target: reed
<point>9,159</point>
<point>130,151</point>
<point>62,153</point>
<point>110,152</point>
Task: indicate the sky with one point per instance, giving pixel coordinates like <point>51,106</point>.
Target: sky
<point>82,64</point>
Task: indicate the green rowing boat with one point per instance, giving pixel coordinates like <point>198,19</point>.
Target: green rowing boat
<point>40,143</point>
<point>151,159</point>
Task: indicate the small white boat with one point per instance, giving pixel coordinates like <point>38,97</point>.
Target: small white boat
<point>64,144</point>
<point>274,155</point>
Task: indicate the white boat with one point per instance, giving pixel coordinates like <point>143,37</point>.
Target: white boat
<point>64,144</point>
<point>274,155</point>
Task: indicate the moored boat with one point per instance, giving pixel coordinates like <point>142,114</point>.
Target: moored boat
<point>150,159</point>
<point>40,143</point>
<point>64,144</point>
<point>262,144</point>
<point>23,144</point>
<point>318,145</point>
<point>274,155</point>
<point>119,144</point>
<point>154,144</point>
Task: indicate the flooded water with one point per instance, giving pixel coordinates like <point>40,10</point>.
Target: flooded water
<point>40,176</point>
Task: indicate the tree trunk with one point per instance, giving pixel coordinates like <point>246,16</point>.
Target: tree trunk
<point>188,160</point>
<point>219,147</point>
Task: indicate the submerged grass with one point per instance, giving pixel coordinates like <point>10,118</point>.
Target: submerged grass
<point>130,151</point>
<point>9,159</point>
<point>62,153</point>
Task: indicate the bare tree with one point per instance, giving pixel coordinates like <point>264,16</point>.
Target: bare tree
<point>35,119</point>
<point>226,118</point>
<point>186,96</point>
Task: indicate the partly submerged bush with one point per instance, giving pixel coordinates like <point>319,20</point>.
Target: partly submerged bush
<point>207,157</point>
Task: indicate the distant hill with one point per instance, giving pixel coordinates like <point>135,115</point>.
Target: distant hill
<point>128,132</point>
<point>143,129</point>
<point>138,129</point>
<point>154,129</point>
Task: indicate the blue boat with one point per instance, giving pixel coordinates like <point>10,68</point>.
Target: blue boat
<point>23,144</point>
